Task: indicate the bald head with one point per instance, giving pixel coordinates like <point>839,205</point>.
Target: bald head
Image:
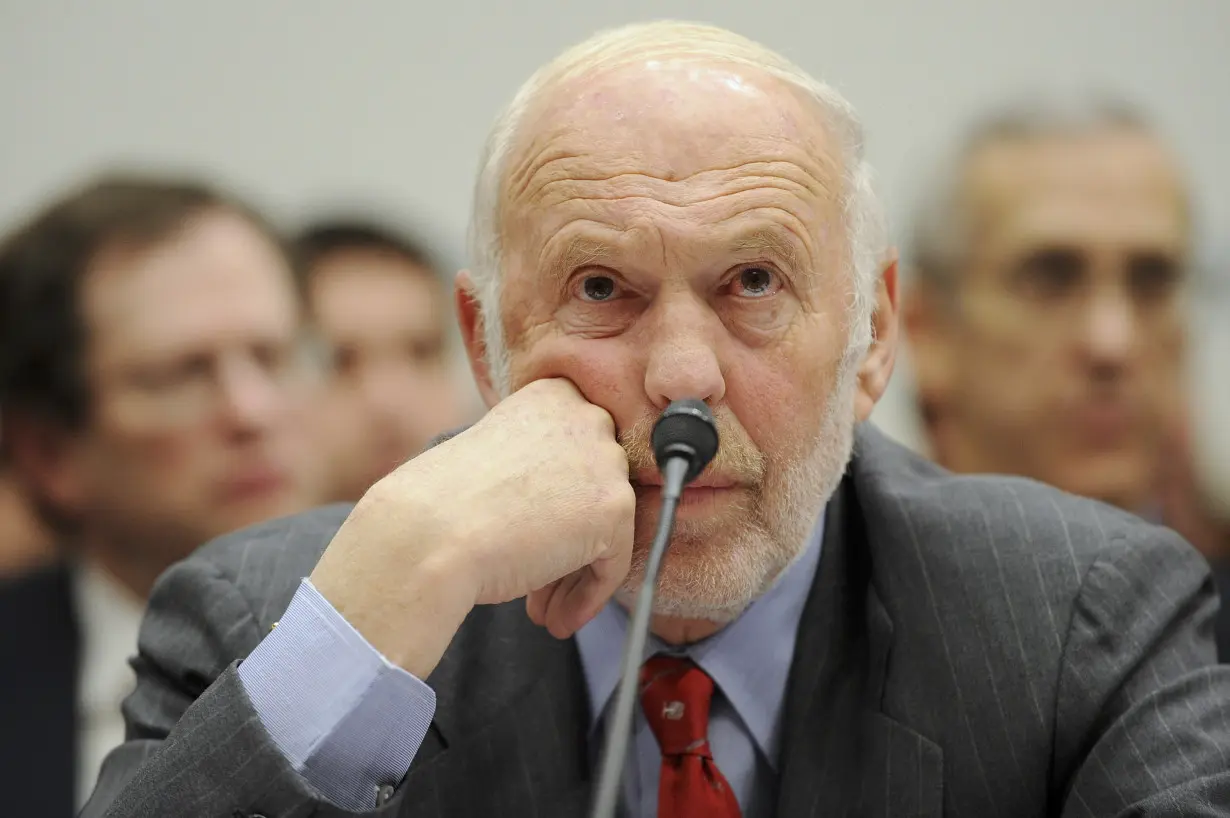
<point>636,111</point>
<point>627,92</point>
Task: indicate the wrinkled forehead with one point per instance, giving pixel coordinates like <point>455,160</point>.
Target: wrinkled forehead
<point>670,120</point>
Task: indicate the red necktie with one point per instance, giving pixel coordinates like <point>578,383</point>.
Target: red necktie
<point>675,695</point>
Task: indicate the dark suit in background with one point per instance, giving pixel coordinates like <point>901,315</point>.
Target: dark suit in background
<point>1221,573</point>
<point>971,647</point>
<point>39,652</point>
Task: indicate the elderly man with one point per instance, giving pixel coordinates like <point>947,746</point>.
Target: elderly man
<point>671,211</point>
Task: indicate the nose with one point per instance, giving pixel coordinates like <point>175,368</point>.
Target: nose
<point>1110,329</point>
<point>251,397</point>
<point>682,360</point>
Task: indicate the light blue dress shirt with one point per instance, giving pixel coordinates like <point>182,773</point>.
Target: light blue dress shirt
<point>749,661</point>
<point>350,722</point>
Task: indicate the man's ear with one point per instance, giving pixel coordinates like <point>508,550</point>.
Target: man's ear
<point>877,365</point>
<point>926,313</point>
<point>47,458</point>
<point>471,320</point>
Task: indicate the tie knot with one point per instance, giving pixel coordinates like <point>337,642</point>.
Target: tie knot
<point>675,696</point>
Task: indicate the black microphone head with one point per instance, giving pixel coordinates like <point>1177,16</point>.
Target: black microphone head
<point>686,429</point>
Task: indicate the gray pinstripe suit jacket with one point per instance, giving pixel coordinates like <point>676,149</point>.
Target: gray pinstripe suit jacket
<point>972,647</point>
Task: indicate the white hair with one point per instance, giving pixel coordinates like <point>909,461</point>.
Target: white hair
<point>862,211</point>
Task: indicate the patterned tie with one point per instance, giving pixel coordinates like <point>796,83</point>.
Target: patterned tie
<point>675,695</point>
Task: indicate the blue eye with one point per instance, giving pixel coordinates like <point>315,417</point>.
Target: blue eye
<point>598,288</point>
<point>755,282</point>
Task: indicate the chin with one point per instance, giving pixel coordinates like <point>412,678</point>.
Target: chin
<point>713,570</point>
<point>1120,479</point>
<point>259,507</point>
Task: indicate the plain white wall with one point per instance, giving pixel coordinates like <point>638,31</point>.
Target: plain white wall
<point>303,104</point>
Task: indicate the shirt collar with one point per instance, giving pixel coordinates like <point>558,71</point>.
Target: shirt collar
<point>749,660</point>
<point>109,617</point>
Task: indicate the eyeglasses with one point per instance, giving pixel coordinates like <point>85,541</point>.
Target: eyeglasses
<point>200,385</point>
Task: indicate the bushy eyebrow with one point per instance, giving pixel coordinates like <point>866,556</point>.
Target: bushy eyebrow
<point>580,252</point>
<point>769,241</point>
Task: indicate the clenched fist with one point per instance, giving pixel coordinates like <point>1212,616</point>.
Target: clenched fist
<point>532,501</point>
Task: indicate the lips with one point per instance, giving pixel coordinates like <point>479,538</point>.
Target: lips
<point>1103,424</point>
<point>253,484</point>
<point>698,502</point>
<point>705,481</point>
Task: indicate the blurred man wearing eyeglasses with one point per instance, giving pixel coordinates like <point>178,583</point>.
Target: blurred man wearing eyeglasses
<point>1046,316</point>
<point>152,385</point>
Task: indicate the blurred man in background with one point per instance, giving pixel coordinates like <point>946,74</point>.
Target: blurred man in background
<point>383,309</point>
<point>1046,317</point>
<point>1049,324</point>
<point>152,386</point>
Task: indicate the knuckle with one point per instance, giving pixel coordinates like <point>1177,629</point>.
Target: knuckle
<point>618,498</point>
<point>619,464</point>
<point>599,417</point>
<point>559,387</point>
<point>539,389</point>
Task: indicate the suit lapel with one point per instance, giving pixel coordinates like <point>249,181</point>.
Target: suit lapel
<point>841,755</point>
<point>509,733</point>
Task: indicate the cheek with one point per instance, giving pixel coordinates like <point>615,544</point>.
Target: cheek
<point>1013,385</point>
<point>330,420</point>
<point>780,396</point>
<point>1164,347</point>
<point>1008,342</point>
<point>1011,363</point>
<point>609,372</point>
<point>163,460</point>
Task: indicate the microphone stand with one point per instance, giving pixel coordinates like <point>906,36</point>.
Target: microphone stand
<point>615,745</point>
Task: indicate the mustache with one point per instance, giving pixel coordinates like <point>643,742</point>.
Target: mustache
<point>737,458</point>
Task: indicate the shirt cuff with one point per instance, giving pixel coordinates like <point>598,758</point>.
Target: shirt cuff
<point>346,719</point>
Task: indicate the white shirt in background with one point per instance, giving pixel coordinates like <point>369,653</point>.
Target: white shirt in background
<point>108,618</point>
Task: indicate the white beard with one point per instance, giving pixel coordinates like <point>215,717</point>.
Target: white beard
<point>714,570</point>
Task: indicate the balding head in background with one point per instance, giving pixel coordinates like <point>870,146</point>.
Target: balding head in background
<point>1046,313</point>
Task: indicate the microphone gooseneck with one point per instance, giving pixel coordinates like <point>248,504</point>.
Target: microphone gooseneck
<point>685,440</point>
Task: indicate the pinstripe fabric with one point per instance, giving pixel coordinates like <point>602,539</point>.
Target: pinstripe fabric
<point>971,647</point>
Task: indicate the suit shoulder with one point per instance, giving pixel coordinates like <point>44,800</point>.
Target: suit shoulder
<point>1003,562</point>
<point>267,560</point>
<point>972,518</point>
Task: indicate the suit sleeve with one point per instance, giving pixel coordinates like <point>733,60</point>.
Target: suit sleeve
<point>1142,710</point>
<point>195,743</point>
